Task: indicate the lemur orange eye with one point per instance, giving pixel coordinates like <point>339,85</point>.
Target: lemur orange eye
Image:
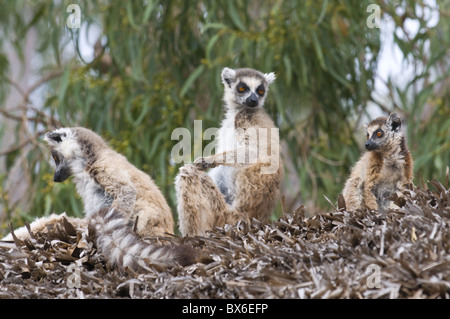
<point>241,87</point>
<point>379,134</point>
<point>367,136</point>
<point>55,158</point>
<point>260,90</point>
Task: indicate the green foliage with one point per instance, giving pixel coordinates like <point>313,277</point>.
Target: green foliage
<point>425,99</point>
<point>157,67</point>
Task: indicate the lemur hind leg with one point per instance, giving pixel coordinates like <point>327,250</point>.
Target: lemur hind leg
<point>256,193</point>
<point>201,205</point>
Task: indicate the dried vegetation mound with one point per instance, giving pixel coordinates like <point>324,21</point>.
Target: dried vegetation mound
<point>403,253</point>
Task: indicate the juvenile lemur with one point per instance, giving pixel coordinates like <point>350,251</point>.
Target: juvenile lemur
<point>384,169</point>
<point>121,203</point>
<point>246,171</point>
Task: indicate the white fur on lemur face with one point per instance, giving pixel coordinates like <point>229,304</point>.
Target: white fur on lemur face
<point>245,87</point>
<point>66,152</point>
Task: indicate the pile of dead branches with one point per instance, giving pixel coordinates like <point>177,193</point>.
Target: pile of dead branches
<point>403,253</point>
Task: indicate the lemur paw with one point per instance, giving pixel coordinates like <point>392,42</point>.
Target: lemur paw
<point>202,164</point>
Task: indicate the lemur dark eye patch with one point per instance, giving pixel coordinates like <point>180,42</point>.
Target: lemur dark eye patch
<point>260,90</point>
<point>241,87</point>
<point>54,136</point>
<point>55,158</point>
<point>378,133</point>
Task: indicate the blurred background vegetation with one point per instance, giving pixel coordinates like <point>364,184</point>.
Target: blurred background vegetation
<point>136,70</point>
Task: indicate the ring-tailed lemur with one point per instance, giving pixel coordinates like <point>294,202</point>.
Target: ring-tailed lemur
<point>245,179</point>
<point>384,169</point>
<point>121,203</point>
<point>105,179</point>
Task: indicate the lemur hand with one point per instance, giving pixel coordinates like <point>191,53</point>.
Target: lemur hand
<point>203,163</point>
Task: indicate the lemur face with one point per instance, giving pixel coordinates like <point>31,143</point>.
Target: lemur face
<point>246,87</point>
<point>64,148</point>
<point>382,132</point>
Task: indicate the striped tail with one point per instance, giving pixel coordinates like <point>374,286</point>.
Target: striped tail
<point>123,248</point>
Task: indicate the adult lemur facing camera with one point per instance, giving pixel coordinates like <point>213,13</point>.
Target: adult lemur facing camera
<point>246,171</point>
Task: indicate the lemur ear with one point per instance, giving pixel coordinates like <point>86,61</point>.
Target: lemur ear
<point>394,122</point>
<point>228,76</point>
<point>52,137</point>
<point>270,77</point>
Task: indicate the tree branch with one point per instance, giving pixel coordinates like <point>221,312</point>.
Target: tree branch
<point>21,145</point>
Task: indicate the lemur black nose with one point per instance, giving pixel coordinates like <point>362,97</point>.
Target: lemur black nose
<point>252,100</point>
<point>370,145</point>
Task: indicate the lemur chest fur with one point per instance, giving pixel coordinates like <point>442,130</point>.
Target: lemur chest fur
<point>223,176</point>
<point>92,193</point>
<point>390,177</point>
<point>232,136</point>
